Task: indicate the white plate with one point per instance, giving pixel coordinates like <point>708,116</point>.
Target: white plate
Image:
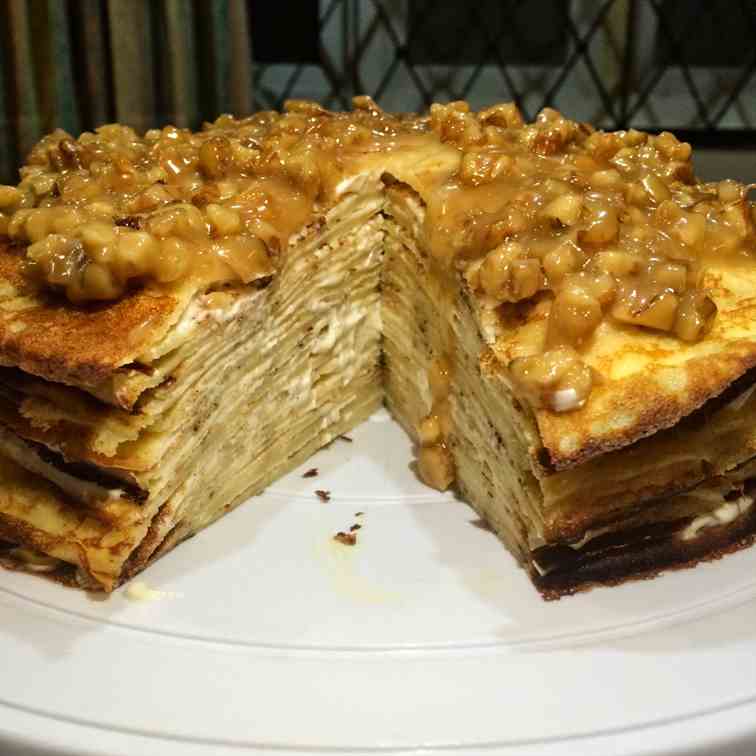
<point>424,635</point>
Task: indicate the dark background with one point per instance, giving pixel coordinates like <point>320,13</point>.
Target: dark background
<point>686,65</point>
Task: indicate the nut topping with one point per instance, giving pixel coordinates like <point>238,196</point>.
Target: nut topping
<point>590,225</point>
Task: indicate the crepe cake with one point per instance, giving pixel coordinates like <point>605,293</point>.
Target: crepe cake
<point>560,317</point>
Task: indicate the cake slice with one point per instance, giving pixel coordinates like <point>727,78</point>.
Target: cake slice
<point>672,496</point>
<point>248,384</point>
<point>560,317</point>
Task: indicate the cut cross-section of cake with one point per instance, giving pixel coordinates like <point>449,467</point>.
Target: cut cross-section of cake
<point>560,317</point>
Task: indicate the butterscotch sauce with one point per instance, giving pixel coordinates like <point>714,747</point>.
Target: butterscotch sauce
<point>606,224</point>
<point>112,208</point>
<point>599,225</point>
<point>435,459</point>
<point>435,462</point>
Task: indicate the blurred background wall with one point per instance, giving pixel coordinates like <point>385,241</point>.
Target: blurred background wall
<point>687,65</point>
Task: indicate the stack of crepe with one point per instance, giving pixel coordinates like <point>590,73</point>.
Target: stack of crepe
<point>129,424</point>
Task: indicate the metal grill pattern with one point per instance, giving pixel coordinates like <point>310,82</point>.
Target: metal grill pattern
<point>653,64</point>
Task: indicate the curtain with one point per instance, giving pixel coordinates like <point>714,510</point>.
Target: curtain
<point>76,64</point>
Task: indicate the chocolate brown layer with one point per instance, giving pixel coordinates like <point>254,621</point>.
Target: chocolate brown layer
<point>88,472</point>
<point>639,553</point>
<point>61,573</point>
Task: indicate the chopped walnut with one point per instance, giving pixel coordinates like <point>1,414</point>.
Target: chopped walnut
<point>556,379</point>
<point>216,205</point>
<point>346,539</point>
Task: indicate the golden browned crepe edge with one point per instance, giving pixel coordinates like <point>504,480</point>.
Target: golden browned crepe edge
<point>98,550</point>
<point>706,379</point>
<point>82,346</point>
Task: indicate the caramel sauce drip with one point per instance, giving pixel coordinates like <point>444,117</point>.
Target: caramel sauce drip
<point>435,461</point>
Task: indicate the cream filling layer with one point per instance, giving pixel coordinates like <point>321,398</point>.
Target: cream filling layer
<point>722,515</point>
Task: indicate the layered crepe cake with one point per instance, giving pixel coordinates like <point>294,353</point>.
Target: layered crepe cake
<point>563,319</point>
